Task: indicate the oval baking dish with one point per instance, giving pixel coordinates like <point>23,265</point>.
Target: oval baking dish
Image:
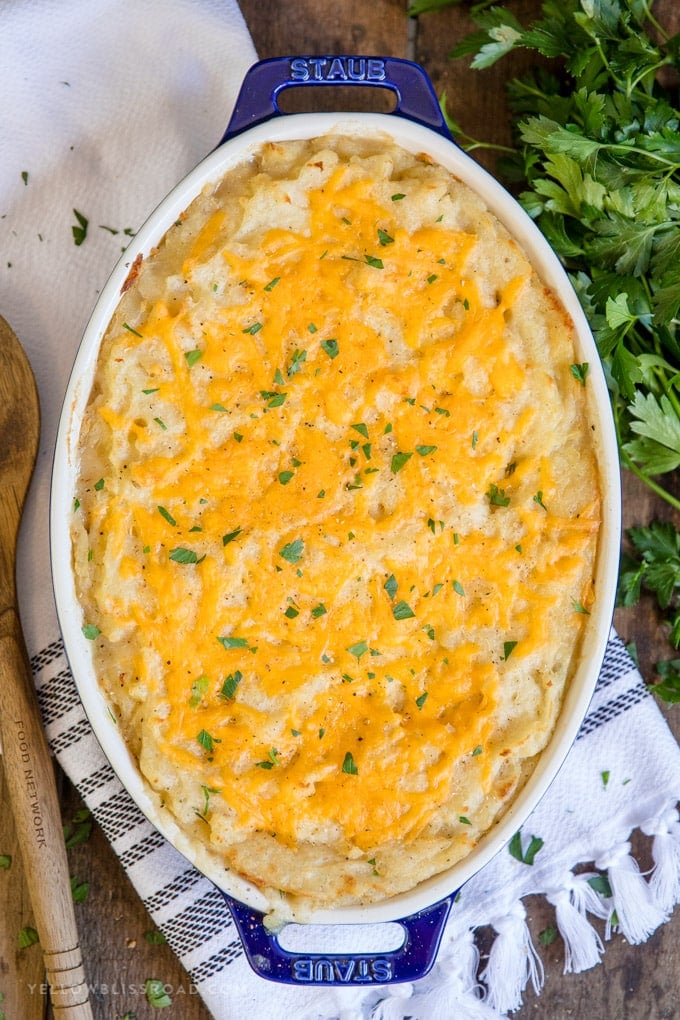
<point>416,125</point>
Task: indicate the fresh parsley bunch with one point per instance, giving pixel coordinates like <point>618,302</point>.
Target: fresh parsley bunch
<point>597,165</point>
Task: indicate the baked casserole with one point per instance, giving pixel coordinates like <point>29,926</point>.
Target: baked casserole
<point>336,520</point>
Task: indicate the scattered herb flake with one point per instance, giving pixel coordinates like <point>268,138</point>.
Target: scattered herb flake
<point>191,357</point>
<point>293,551</point>
<point>524,856</point>
<point>508,648</point>
<point>230,641</point>
<point>230,684</point>
<point>348,765</point>
<point>199,689</point>
<point>580,372</point>
<point>231,536</point>
<point>497,496</point>
<point>79,229</point>
<point>156,993</point>
<point>358,649</point>
<point>182,555</point>
<point>91,631</point>
<point>167,515</point>
<point>399,460</point>
<point>402,611</point>
<point>28,936</point>
<point>331,348</point>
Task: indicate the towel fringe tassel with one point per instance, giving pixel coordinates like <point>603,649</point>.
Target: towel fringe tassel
<point>513,962</point>
<point>583,946</point>
<point>664,882</point>
<point>634,910</point>
<point>454,990</point>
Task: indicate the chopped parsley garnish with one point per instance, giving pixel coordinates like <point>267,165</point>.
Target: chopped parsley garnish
<point>135,332</point>
<point>538,498</point>
<point>255,328</point>
<point>420,701</point>
<point>273,398</point>
<point>271,760</point>
<point>319,610</point>
<point>272,283</point>
<point>292,551</point>
<point>230,684</point>
<point>464,820</point>
<point>458,588</point>
<point>167,515</point>
<point>348,765</point>
<point>156,995</point>
<point>233,642</point>
<point>376,263</point>
<point>424,451</point>
<point>91,631</point>
<point>79,229</point>
<point>161,424</point>
<point>199,689</point>
<point>578,608</point>
<point>358,649</point>
<point>207,741</point>
<point>508,648</point>
<point>384,238</point>
<point>398,197</point>
<point>298,359</point>
<point>580,372</point>
<point>331,348</point>
<point>182,555</point>
<point>230,536</point>
<point>191,357</point>
<point>398,461</point>
<point>391,586</point>
<point>99,485</point>
<point>402,611</point>
<point>497,496</point>
<point>28,936</point>
<point>285,476</point>
<point>524,856</point>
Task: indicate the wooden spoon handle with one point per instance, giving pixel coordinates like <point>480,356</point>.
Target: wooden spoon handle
<point>33,795</point>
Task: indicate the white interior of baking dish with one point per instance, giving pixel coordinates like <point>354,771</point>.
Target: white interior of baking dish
<point>415,138</point>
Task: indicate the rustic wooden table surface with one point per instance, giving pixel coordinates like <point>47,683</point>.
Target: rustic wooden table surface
<point>632,982</point>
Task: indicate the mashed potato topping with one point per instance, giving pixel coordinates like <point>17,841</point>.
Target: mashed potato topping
<point>337,519</point>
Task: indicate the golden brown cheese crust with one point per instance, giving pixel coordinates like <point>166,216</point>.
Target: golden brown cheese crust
<point>338,517</point>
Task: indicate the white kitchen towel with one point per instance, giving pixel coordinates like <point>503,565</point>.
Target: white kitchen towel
<point>104,106</point>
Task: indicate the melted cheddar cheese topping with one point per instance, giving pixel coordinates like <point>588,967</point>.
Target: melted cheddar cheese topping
<point>337,519</point>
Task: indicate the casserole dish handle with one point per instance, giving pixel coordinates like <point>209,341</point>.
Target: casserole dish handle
<point>410,961</point>
<point>257,100</point>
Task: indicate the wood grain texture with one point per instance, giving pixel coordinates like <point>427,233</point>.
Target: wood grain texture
<point>632,982</point>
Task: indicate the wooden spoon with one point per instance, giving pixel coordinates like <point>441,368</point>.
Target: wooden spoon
<point>28,766</point>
